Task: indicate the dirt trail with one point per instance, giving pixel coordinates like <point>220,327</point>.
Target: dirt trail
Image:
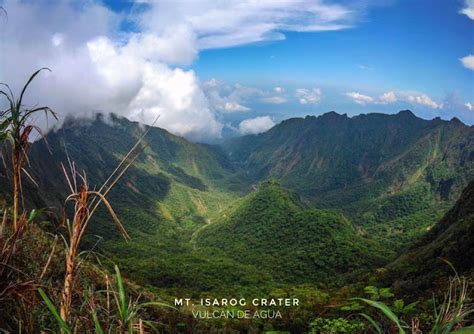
<point>196,233</point>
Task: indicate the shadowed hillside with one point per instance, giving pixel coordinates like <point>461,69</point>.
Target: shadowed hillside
<point>451,239</point>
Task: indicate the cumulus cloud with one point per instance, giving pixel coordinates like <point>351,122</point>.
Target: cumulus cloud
<point>468,62</point>
<point>308,96</point>
<point>468,9</point>
<point>392,97</point>
<point>256,125</point>
<point>423,99</point>
<point>360,98</point>
<point>99,67</point>
<point>94,72</point>
<point>388,97</point>
<point>469,106</point>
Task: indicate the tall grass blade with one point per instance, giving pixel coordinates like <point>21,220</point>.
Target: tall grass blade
<point>27,84</point>
<point>98,327</point>
<point>122,297</point>
<point>62,324</point>
<point>386,310</point>
<point>375,326</point>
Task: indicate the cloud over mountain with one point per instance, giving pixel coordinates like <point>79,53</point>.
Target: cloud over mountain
<point>256,125</point>
<point>99,66</point>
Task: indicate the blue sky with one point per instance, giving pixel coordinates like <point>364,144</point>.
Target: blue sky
<point>212,69</point>
<point>400,46</point>
<point>405,44</point>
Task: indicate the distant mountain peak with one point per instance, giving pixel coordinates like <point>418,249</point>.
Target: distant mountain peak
<point>456,121</point>
<point>332,115</point>
<point>406,113</point>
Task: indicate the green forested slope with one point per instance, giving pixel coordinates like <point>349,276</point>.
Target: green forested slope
<point>170,191</point>
<point>394,175</point>
<point>272,230</point>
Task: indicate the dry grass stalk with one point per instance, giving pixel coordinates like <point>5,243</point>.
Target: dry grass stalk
<point>86,202</point>
<point>50,257</point>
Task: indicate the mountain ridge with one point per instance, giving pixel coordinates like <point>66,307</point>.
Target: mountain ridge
<point>365,165</point>
<point>388,177</point>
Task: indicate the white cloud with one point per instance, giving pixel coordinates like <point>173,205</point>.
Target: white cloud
<point>422,99</point>
<point>469,106</point>
<point>388,97</point>
<point>221,94</point>
<point>385,98</point>
<point>468,10</point>
<point>174,94</point>
<point>360,98</point>
<point>93,72</point>
<point>218,24</point>
<point>256,125</point>
<point>279,90</point>
<point>468,62</point>
<point>229,98</point>
<point>308,96</point>
<point>273,99</point>
<point>99,67</point>
<point>234,106</point>
<point>392,97</point>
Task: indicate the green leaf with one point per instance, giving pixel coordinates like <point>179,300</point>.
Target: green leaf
<point>399,304</point>
<point>18,104</point>
<point>122,297</point>
<point>98,328</point>
<point>34,214</point>
<point>385,293</point>
<point>54,312</point>
<point>372,322</point>
<point>386,310</point>
<point>371,290</point>
<point>411,307</point>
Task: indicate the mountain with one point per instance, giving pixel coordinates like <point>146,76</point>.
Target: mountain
<point>451,239</point>
<point>271,229</point>
<point>173,179</point>
<point>172,189</point>
<point>393,175</point>
<point>344,186</point>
